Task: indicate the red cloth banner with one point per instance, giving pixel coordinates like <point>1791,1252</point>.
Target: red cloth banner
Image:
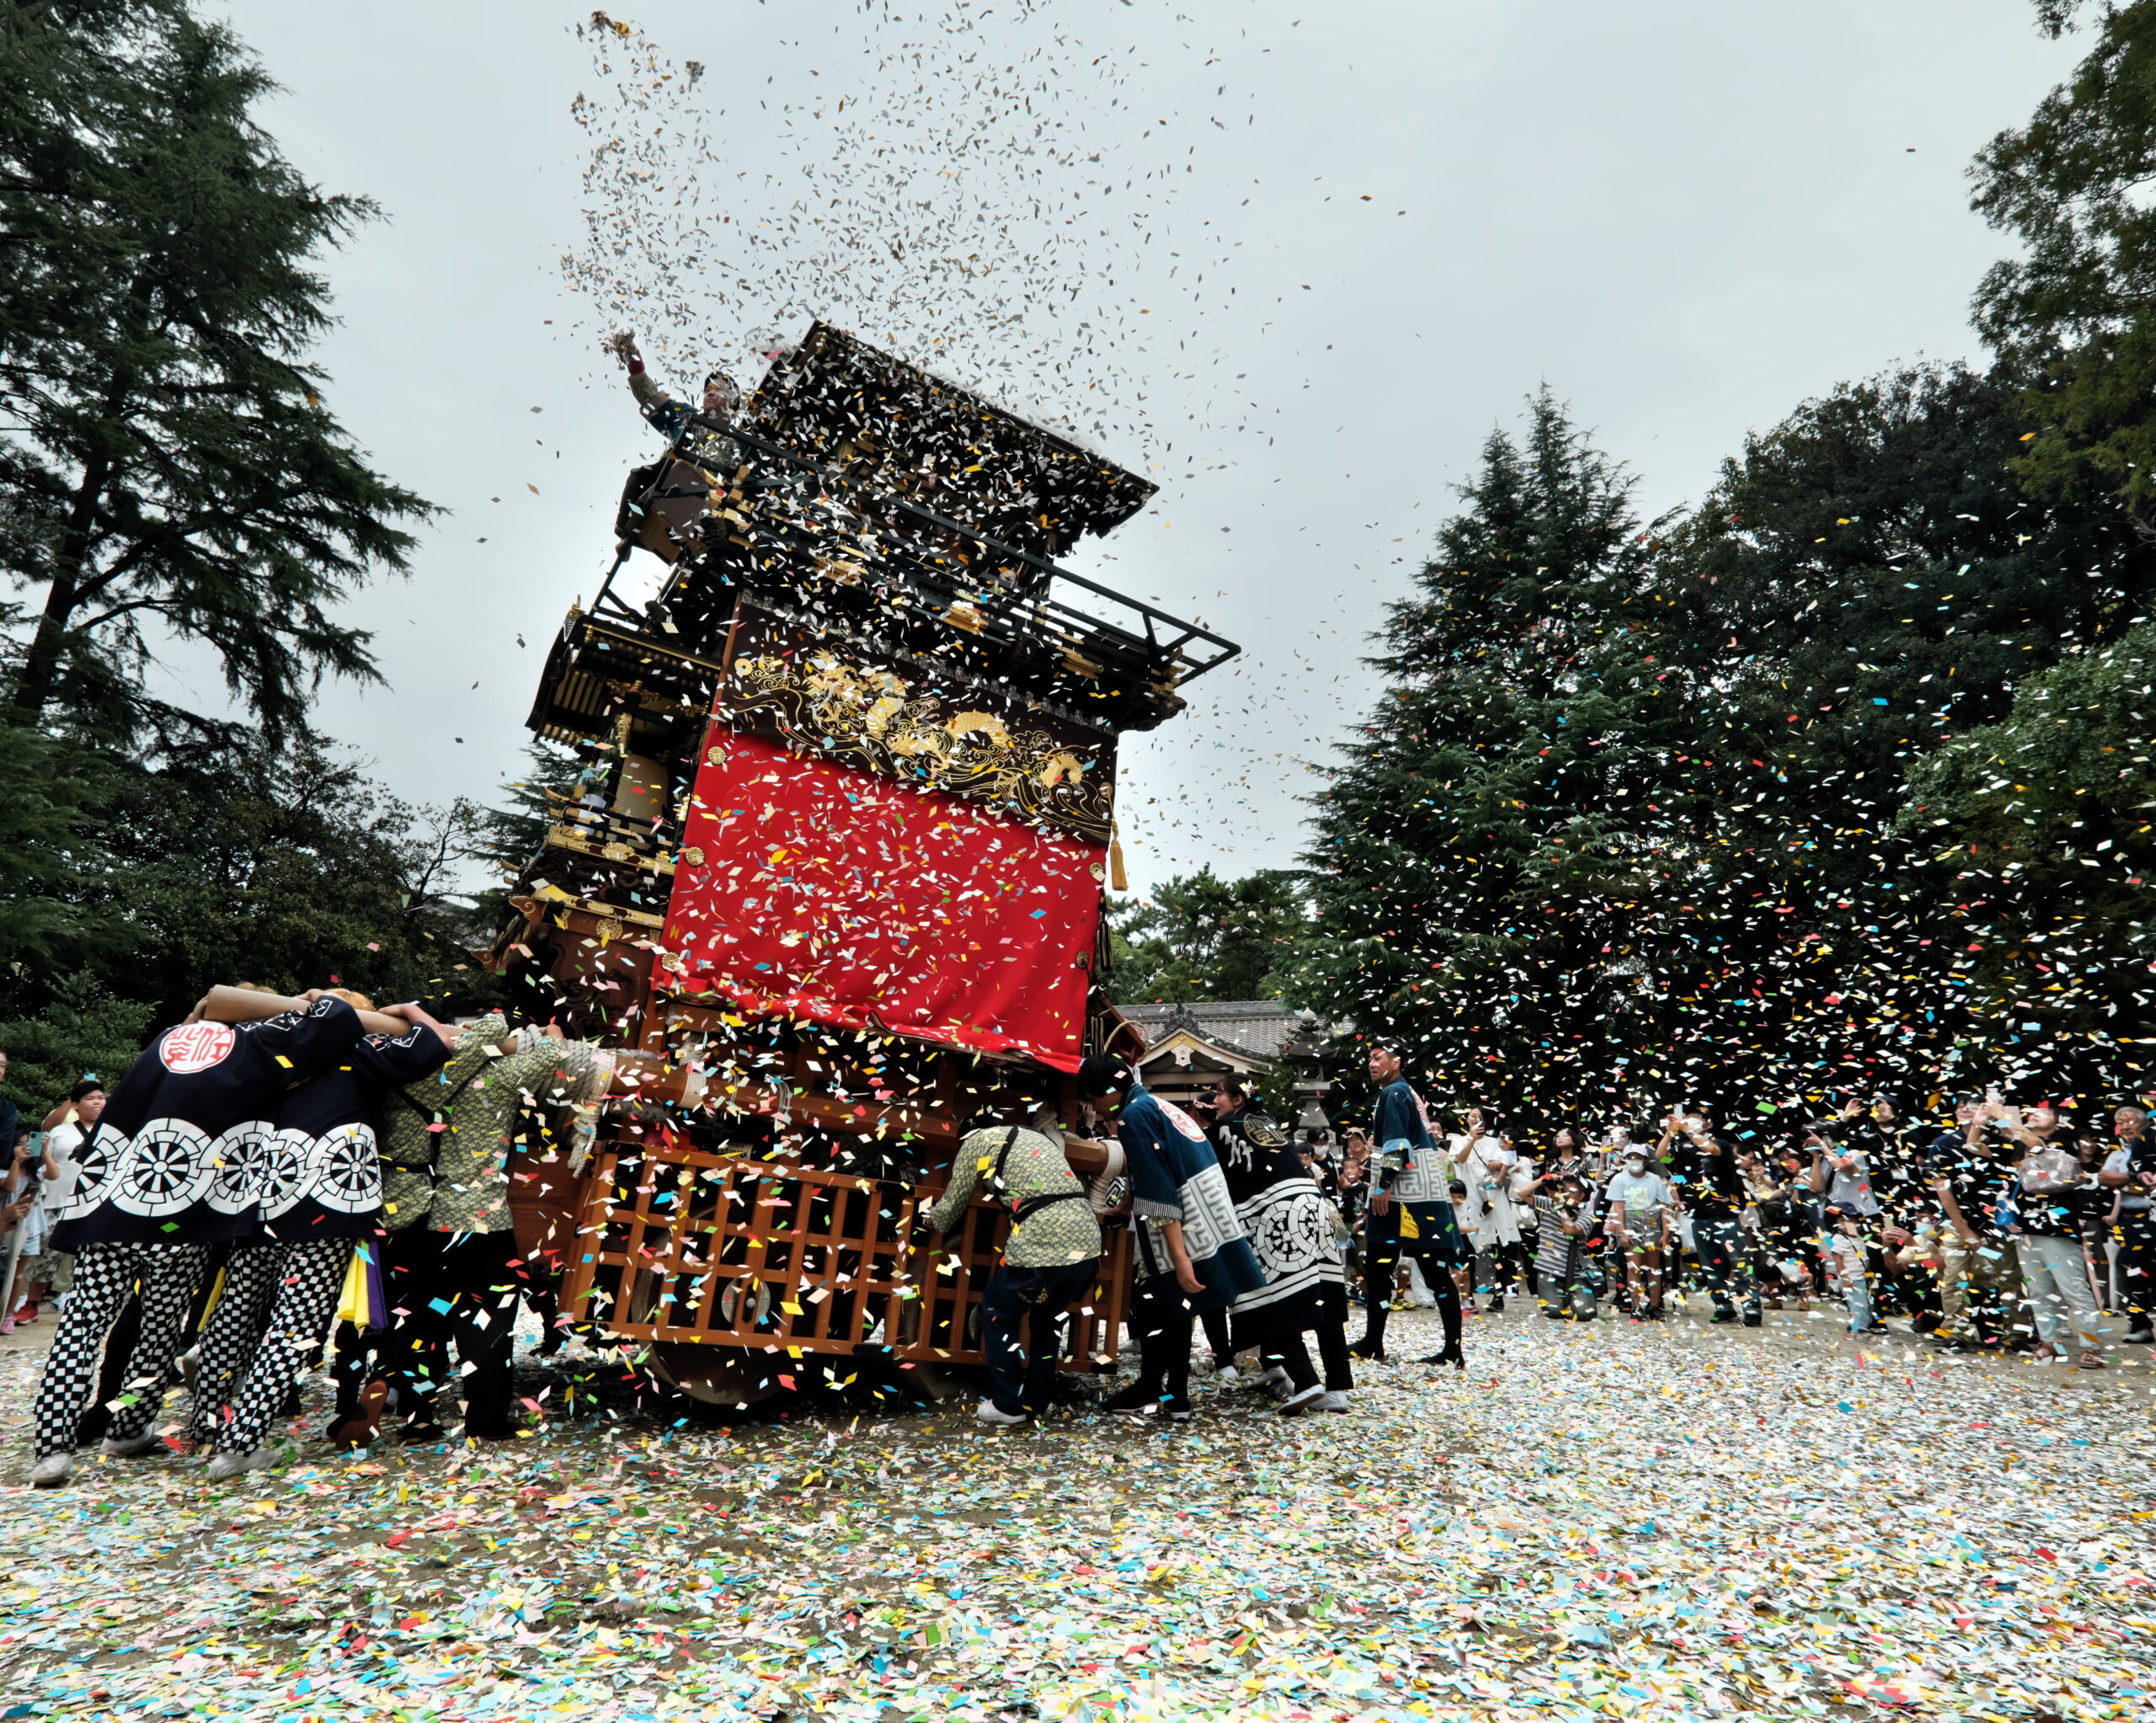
<point>823,893</point>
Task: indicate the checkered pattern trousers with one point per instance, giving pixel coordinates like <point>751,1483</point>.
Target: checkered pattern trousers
<point>104,1276</point>
<point>276,1305</point>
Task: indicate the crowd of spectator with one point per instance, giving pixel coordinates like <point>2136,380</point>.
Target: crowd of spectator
<point>2007,1229</point>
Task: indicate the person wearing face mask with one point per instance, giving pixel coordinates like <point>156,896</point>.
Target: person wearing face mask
<point>1642,1206</point>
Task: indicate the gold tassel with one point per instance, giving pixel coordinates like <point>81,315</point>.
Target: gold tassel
<point>1117,878</point>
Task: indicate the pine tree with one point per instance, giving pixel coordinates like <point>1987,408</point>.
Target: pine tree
<point>1866,583</point>
<point>84,1030</point>
<point>1476,867</point>
<point>2038,829</point>
<point>52,859</point>
<point>507,836</point>
<point>173,474</point>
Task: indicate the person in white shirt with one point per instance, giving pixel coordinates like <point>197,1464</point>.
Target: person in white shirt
<point>1486,1164</point>
<point>1641,1207</point>
<point>85,1106</point>
<point>44,1271</point>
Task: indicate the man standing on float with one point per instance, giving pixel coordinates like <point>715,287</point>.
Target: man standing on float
<point>1411,1213</point>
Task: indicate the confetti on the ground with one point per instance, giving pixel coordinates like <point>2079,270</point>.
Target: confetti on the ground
<point>1660,1522</point>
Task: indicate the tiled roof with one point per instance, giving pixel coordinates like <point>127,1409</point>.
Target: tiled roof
<point>1259,1027</point>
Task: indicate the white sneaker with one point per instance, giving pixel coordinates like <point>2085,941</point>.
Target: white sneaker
<point>1303,1402</point>
<point>988,1412</point>
<point>52,1470</point>
<point>132,1446</point>
<point>1333,1400</point>
<point>1228,1376</point>
<point>230,1465</point>
<point>1276,1378</point>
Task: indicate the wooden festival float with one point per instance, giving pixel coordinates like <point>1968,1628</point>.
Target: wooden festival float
<point>832,884</point>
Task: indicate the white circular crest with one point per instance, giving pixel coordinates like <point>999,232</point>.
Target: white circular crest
<point>241,1155</point>
<point>1183,1122</point>
<point>346,1172</point>
<point>166,1171</point>
<point>96,1160</point>
<point>196,1047</point>
<point>287,1155</point>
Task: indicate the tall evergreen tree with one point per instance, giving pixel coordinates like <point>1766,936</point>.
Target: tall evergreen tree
<point>2037,829</point>
<point>2076,312</point>
<point>1649,838</point>
<point>85,1030</point>
<point>174,473</point>
<point>505,837</point>
<point>1866,582</point>
<point>283,868</point>
<point>1476,866</point>
<point>52,857</point>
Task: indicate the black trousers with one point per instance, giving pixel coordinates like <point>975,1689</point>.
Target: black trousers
<point>1283,1345</point>
<point>1161,1318</point>
<point>1495,1265</point>
<point>1218,1336</point>
<point>2136,1230</point>
<point>459,1293</point>
<point>1382,1250</point>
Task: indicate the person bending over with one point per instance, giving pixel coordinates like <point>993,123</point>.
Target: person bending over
<point>1050,1259</point>
<point>1190,1254</point>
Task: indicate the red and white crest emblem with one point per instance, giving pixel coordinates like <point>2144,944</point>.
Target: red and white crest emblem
<point>196,1047</point>
<point>1183,1122</point>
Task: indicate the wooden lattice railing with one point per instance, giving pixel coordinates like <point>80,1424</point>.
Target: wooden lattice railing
<point>717,1250</point>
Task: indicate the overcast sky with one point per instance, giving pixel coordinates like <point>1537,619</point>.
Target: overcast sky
<point>1685,218</point>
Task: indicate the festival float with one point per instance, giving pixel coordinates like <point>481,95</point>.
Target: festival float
<point>832,883</point>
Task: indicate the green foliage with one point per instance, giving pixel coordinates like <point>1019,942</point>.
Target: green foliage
<point>2078,311</point>
<point>51,797</point>
<point>1200,937</point>
<point>289,872</point>
<point>505,837</point>
<point>2041,824</point>
<point>2056,17</point>
<point>1662,861</point>
<point>286,867</point>
<point>1473,865</point>
<point>173,474</point>
<point>84,1030</point>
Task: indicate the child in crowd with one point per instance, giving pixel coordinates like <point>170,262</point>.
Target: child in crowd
<point>1842,1245</point>
<point>1560,1257</point>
